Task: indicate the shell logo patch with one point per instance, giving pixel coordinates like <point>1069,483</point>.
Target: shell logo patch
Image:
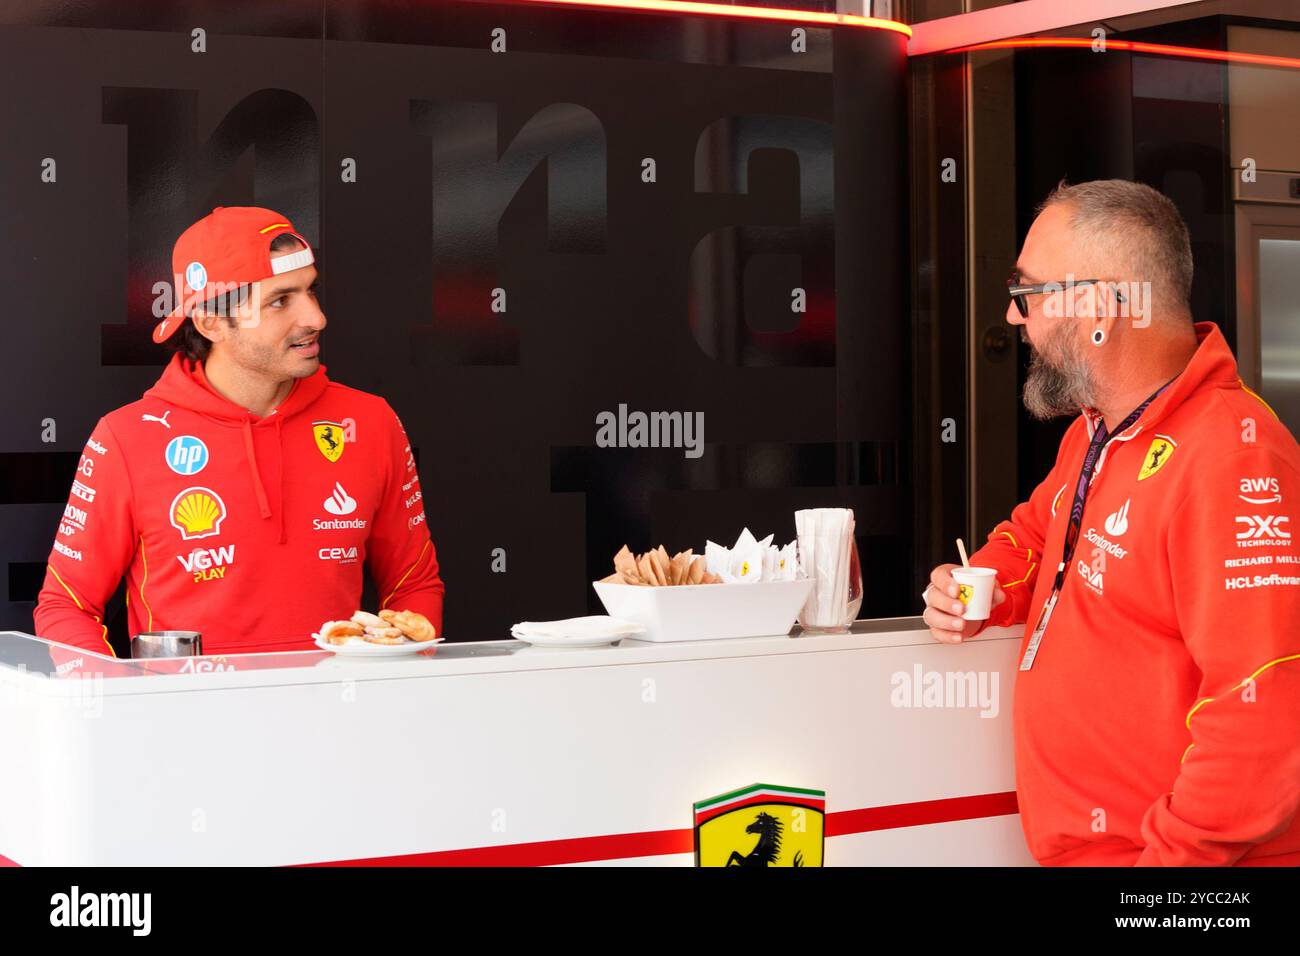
<point>1160,451</point>
<point>197,513</point>
<point>761,825</point>
<point>329,439</point>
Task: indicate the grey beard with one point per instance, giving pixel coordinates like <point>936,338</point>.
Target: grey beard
<point>1055,390</point>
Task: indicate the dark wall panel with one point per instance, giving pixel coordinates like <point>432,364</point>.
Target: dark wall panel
<point>478,170</point>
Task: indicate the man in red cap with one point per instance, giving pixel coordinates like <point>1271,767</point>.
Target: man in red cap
<point>242,494</point>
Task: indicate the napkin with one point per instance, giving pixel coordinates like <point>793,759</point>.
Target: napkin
<point>750,560</point>
<point>825,540</point>
<point>596,625</point>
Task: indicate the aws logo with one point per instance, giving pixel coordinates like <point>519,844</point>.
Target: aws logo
<point>208,564</point>
<point>761,826</point>
<point>197,513</point>
<point>1260,491</point>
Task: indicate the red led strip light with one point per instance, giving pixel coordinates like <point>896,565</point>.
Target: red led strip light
<point>1135,46</point>
<point>735,12</point>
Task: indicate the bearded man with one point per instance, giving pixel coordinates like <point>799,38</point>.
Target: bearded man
<point>1157,701</point>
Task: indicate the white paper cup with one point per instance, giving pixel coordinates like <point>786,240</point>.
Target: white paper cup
<point>975,590</point>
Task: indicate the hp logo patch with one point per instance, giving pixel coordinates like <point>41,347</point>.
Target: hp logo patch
<point>187,455</point>
<point>196,277</point>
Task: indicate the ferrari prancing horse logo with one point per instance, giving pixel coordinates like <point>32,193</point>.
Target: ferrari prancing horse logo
<point>761,826</point>
<point>1161,450</point>
<point>329,439</point>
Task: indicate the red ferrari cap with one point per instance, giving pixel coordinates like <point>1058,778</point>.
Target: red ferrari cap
<point>229,247</point>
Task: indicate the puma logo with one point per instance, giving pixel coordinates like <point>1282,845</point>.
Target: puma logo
<point>154,418</point>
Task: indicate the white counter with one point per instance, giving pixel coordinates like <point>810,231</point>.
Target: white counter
<point>500,753</point>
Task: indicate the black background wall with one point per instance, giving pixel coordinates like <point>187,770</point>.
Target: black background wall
<point>520,170</point>
<point>1159,120</point>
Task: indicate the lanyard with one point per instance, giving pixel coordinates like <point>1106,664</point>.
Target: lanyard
<point>1095,447</point>
<point>1099,439</point>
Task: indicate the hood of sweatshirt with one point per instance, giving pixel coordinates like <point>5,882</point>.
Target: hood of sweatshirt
<point>184,384</point>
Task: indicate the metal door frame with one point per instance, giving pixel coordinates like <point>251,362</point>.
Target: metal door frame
<point>1256,221</point>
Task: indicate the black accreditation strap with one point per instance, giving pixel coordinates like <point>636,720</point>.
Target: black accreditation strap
<point>1099,439</point>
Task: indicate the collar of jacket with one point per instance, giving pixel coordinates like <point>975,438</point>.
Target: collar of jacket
<point>1212,366</point>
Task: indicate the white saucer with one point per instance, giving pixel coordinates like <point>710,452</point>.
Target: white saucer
<point>357,647</point>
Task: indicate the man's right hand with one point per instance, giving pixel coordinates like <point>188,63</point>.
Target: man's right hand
<point>943,611</point>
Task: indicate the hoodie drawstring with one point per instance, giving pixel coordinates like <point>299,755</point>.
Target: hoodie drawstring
<point>279,444</point>
<point>263,506</point>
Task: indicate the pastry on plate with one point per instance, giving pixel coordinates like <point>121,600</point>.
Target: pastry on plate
<point>340,632</point>
<point>384,635</point>
<point>413,624</point>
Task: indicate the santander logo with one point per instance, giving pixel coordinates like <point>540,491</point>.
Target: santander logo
<point>1117,523</point>
<point>339,503</point>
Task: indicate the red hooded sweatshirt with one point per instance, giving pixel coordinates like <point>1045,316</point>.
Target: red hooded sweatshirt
<point>252,531</point>
<point>1159,723</point>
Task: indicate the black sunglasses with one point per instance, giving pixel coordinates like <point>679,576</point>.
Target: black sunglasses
<point>1019,291</point>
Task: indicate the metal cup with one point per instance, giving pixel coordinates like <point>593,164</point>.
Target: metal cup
<point>167,644</point>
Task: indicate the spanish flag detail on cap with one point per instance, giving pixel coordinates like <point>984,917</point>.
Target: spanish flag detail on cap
<point>225,250</point>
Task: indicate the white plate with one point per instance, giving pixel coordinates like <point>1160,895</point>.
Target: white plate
<point>576,641</point>
<point>581,634</point>
<point>359,648</point>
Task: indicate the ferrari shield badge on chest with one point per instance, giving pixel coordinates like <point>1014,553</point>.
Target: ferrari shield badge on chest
<point>329,439</point>
<point>1161,450</point>
<point>761,825</point>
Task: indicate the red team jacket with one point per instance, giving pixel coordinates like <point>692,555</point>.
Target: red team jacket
<point>1160,721</point>
<point>251,531</point>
